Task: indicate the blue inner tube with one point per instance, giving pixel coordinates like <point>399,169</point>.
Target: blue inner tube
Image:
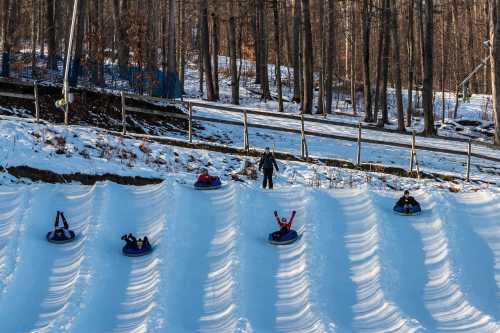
<point>413,210</point>
<point>136,252</point>
<point>287,238</point>
<point>213,185</point>
<point>61,239</point>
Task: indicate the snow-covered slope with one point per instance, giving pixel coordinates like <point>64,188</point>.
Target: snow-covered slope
<point>357,267</point>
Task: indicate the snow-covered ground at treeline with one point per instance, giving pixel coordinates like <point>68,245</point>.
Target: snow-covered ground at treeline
<point>357,268</point>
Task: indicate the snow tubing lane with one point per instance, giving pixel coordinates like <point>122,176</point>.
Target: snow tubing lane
<point>286,239</point>
<point>131,252</point>
<point>61,240</point>
<point>415,210</point>
<point>214,185</point>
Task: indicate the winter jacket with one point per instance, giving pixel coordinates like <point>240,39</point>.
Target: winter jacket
<point>267,161</point>
<point>407,201</point>
<point>285,225</point>
<point>207,179</point>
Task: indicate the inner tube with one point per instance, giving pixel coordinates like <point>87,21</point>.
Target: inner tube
<point>136,252</point>
<point>61,240</point>
<point>285,239</point>
<point>214,185</point>
<point>414,210</point>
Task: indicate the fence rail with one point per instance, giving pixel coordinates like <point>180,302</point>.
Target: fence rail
<point>302,131</point>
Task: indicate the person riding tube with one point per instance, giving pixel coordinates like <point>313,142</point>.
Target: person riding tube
<point>285,235</point>
<point>136,247</point>
<point>60,234</point>
<point>206,181</point>
<point>407,205</point>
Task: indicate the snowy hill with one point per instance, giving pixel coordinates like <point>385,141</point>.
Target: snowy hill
<point>357,267</point>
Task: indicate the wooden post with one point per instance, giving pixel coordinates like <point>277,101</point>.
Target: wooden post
<point>190,122</point>
<point>66,111</point>
<point>469,152</point>
<point>302,137</point>
<point>412,151</point>
<point>37,104</point>
<point>246,143</point>
<point>358,148</point>
<point>124,115</point>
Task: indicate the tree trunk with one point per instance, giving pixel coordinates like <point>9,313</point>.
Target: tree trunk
<point>277,54</point>
<point>296,13</point>
<point>8,26</point>
<point>215,53</point>
<point>366,61</point>
<point>307,59</point>
<point>171,46</point>
<point>205,46</point>
<point>34,9</point>
<point>78,42</point>
<point>181,44</point>
<point>330,56</point>
<point>321,86</point>
<point>385,63</point>
<point>428,68</point>
<point>123,42</point>
<point>352,26</point>
<point>256,42</point>
<point>495,64</point>
<point>51,36</point>
<point>411,62</point>
<point>235,84</point>
<point>264,77</point>
<point>397,68</point>
<point>379,59</point>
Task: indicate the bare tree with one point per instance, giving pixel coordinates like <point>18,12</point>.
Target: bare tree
<point>215,53</point>
<point>307,50</point>
<point>427,96</point>
<point>330,56</point>
<point>397,68</point>
<point>297,22</point>
<point>205,46</point>
<point>494,10</point>
<point>277,54</point>
<point>51,36</point>
<point>366,60</point>
<point>411,61</point>
<point>235,84</point>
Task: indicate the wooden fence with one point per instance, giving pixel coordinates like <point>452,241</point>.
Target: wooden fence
<point>189,116</point>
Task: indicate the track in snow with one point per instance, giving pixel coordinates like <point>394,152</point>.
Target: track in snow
<point>357,267</point>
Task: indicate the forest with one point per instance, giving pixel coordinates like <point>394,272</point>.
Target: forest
<point>421,49</point>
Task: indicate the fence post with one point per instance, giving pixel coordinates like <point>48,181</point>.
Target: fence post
<point>66,111</point>
<point>37,104</point>
<point>412,152</point>
<point>302,137</point>
<point>190,122</point>
<point>124,116</point>
<point>469,152</point>
<point>358,148</point>
<point>246,143</point>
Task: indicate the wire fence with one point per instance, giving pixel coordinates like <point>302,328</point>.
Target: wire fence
<point>133,79</point>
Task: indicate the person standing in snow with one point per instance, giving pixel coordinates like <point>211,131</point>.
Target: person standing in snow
<point>267,163</point>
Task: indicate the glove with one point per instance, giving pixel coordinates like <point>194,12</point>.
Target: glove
<point>275,213</point>
<point>294,212</point>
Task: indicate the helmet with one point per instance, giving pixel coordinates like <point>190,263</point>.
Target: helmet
<point>267,149</point>
<point>407,192</point>
<point>283,219</point>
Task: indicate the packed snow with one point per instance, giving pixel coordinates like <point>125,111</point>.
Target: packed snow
<point>357,267</point>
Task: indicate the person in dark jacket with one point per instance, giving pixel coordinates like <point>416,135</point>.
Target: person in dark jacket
<point>267,162</point>
<point>130,240</point>
<point>407,201</point>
